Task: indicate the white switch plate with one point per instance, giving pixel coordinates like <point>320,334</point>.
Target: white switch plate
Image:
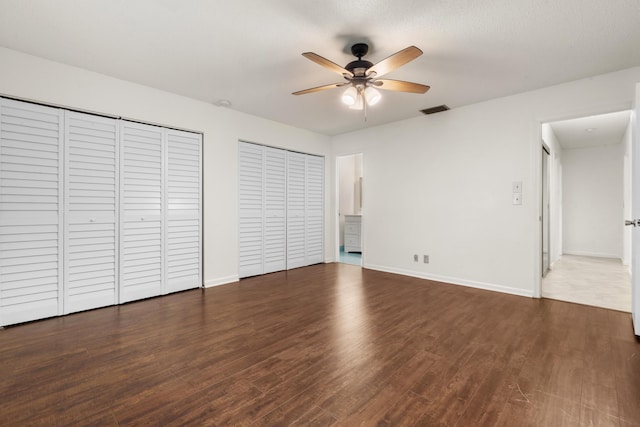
<point>517,198</point>
<point>516,187</point>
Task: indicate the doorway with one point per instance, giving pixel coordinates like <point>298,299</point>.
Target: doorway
<point>350,220</point>
<point>545,216</point>
<point>584,179</point>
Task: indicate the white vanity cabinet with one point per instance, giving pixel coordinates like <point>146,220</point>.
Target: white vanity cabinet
<point>353,233</point>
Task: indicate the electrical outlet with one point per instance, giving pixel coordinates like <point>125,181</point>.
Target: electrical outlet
<point>415,257</point>
<point>517,198</point>
<point>425,259</point>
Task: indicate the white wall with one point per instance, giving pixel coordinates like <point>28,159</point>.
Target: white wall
<point>28,77</point>
<point>555,191</point>
<point>437,185</point>
<point>441,184</point>
<point>593,201</point>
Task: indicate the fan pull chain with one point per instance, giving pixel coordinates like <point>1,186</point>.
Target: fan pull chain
<point>364,104</point>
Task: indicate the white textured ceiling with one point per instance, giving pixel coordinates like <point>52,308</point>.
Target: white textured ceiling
<point>592,131</point>
<point>248,51</point>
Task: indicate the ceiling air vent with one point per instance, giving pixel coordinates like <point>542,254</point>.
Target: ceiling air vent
<point>435,109</point>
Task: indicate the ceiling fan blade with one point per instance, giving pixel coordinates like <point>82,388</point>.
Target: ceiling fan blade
<point>394,61</point>
<point>400,86</point>
<point>319,88</point>
<point>330,65</point>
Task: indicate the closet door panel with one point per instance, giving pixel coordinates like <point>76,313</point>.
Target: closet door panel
<point>314,212</point>
<point>91,179</point>
<point>296,202</point>
<point>250,207</point>
<point>141,213</point>
<point>275,210</point>
<point>31,203</point>
<point>183,237</point>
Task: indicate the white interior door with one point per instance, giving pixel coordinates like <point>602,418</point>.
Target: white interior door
<point>635,188</point>
<point>31,204</point>
<point>314,210</point>
<point>183,215</point>
<point>91,211</point>
<point>275,205</point>
<point>296,206</point>
<point>142,213</point>
<point>250,207</point>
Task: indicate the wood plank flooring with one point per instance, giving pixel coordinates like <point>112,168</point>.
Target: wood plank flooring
<point>325,345</point>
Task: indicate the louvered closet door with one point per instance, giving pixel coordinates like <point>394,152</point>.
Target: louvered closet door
<point>296,205</point>
<point>314,213</point>
<point>183,237</point>
<point>141,218</point>
<point>250,206</point>
<point>30,211</point>
<point>91,250</point>
<point>275,197</point>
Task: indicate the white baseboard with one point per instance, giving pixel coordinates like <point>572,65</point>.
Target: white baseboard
<point>220,281</point>
<point>592,254</point>
<point>453,281</point>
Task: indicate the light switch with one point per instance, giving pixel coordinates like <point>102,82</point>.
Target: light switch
<point>516,187</point>
<point>517,198</point>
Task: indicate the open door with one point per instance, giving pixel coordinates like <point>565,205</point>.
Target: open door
<point>349,201</point>
<point>635,199</point>
<point>546,212</point>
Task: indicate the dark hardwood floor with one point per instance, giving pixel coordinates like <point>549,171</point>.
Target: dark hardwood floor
<point>325,345</point>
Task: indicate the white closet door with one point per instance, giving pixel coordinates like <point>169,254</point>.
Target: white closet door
<point>183,215</point>
<point>275,206</point>
<point>31,206</point>
<point>250,206</point>
<point>91,250</point>
<point>314,212</point>
<point>141,217</point>
<point>296,205</point>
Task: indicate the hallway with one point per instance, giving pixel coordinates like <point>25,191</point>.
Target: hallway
<point>600,282</point>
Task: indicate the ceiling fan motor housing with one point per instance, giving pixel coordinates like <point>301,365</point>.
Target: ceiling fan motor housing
<point>360,66</point>
<point>359,50</point>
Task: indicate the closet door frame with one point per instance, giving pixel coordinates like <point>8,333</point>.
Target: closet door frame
<point>302,212</point>
<point>50,125</point>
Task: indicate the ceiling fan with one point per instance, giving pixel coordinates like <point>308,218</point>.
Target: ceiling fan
<point>362,76</point>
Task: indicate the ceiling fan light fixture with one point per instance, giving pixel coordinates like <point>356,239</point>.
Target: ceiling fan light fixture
<point>372,95</point>
<point>359,104</point>
<point>350,96</point>
<point>362,75</point>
